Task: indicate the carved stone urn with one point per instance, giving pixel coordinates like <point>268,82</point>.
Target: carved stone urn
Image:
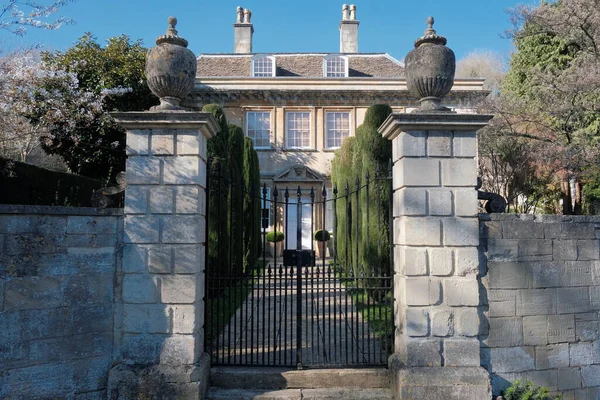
<point>430,68</point>
<point>170,69</point>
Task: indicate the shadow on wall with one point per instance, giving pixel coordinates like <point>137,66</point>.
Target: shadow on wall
<point>153,336</point>
<point>277,161</point>
<point>483,310</point>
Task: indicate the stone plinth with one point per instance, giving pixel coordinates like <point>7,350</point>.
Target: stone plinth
<point>436,259</point>
<point>160,317</point>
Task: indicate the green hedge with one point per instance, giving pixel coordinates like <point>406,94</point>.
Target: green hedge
<point>28,184</point>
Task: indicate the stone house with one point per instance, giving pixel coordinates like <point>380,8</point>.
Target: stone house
<point>299,107</point>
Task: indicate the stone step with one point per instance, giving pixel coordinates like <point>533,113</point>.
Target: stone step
<point>299,394</point>
<point>282,378</point>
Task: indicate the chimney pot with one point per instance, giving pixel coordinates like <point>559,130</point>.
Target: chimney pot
<point>349,30</point>
<point>242,32</point>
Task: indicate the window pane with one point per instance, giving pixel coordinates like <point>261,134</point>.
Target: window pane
<point>259,128</point>
<point>263,66</point>
<point>298,129</point>
<point>337,128</point>
<point>335,67</point>
<point>266,206</point>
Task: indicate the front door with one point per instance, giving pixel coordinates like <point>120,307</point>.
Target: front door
<point>292,225</point>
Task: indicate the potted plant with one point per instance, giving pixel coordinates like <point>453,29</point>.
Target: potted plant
<point>321,237</point>
<point>275,239</point>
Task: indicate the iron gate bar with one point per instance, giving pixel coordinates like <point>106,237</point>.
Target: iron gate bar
<point>368,299</point>
<point>299,281</point>
<point>357,261</point>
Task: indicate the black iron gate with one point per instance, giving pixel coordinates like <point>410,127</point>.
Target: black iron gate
<point>290,307</point>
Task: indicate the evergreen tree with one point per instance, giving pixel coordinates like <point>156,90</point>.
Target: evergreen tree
<point>368,152</point>
<point>236,197</point>
<point>252,236</point>
<point>218,196</point>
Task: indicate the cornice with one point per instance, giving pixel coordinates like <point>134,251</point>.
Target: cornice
<point>168,119</point>
<point>279,96</point>
<point>396,123</point>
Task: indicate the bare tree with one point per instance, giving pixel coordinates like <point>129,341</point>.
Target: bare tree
<point>483,64</point>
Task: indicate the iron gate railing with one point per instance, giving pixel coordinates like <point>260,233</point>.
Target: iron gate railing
<point>292,309</point>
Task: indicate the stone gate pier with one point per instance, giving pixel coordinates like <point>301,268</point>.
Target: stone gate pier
<point>437,306</point>
<point>159,317</point>
<point>437,294</point>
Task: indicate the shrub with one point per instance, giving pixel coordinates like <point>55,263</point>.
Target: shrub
<point>528,391</point>
<point>322,236</point>
<point>28,184</point>
<point>275,236</point>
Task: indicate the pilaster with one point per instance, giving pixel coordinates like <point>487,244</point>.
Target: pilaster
<point>161,304</point>
<point>436,277</point>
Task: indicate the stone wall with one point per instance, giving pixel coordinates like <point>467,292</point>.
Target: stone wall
<point>57,272</point>
<point>543,290</point>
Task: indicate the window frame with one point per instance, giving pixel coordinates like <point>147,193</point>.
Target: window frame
<point>310,130</point>
<point>325,126</point>
<point>270,112</point>
<point>259,57</point>
<point>331,57</point>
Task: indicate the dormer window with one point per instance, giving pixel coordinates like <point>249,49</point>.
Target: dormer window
<point>335,66</point>
<point>263,66</point>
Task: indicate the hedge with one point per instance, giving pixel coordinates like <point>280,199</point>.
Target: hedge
<point>28,184</point>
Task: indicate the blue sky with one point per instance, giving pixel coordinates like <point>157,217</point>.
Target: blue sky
<point>284,26</point>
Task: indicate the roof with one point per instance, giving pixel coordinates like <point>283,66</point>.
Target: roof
<point>299,64</point>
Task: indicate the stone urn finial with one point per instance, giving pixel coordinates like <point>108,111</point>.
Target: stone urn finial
<point>430,68</point>
<point>170,69</point>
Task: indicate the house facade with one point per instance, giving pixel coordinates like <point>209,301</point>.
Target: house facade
<point>299,107</point>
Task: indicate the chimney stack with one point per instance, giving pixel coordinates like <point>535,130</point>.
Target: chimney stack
<point>242,32</point>
<point>349,30</point>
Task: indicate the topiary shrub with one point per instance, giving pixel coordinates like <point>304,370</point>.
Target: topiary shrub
<point>528,391</point>
<point>275,236</point>
<point>322,236</point>
<point>366,152</point>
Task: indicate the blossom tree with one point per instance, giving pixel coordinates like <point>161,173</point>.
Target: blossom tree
<point>18,138</point>
<point>73,97</point>
<point>18,15</point>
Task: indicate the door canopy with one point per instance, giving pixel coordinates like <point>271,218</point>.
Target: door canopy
<point>299,173</point>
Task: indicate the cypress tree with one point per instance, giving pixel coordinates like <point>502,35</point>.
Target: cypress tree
<point>374,154</point>
<point>342,175</point>
<point>236,196</point>
<point>252,236</point>
<point>368,152</point>
<point>218,196</point>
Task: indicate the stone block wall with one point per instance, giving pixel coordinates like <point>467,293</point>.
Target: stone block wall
<point>543,291</point>
<point>57,272</point>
